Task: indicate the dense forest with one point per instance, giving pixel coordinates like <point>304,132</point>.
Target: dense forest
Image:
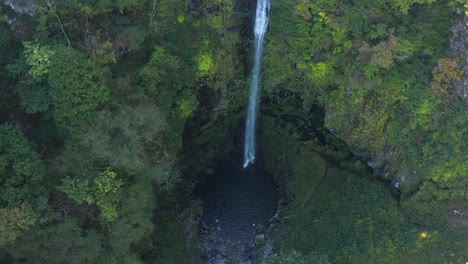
<point>110,109</point>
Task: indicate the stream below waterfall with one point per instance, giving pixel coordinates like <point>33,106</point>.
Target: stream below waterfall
<point>237,204</point>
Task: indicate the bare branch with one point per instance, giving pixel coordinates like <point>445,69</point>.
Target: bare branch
<point>53,9</point>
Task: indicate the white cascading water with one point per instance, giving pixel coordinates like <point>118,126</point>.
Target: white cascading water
<point>260,28</point>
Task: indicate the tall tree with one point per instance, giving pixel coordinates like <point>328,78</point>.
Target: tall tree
<point>79,88</point>
<point>22,173</point>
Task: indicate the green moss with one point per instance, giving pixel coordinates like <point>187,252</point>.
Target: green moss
<point>302,166</point>
<point>205,145</point>
<point>349,218</point>
<point>205,64</point>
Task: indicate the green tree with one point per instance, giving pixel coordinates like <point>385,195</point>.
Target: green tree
<point>129,139</point>
<point>60,243</point>
<point>14,221</point>
<point>22,173</point>
<point>131,234</point>
<point>38,59</point>
<point>9,48</point>
<point>103,192</point>
<point>405,5</point>
<point>158,73</point>
<point>33,97</point>
<point>78,88</point>
<point>445,73</point>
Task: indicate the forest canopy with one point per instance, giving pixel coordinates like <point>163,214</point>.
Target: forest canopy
<point>110,108</point>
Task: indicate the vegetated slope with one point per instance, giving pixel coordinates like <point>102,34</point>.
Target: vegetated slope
<point>391,89</point>
<point>107,102</point>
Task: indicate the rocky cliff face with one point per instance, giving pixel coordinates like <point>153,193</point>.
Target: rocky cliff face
<point>18,16</point>
<point>459,48</point>
<point>28,7</point>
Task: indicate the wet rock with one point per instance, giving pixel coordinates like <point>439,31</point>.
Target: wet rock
<point>209,171</point>
<point>407,181</point>
<point>461,88</point>
<point>395,190</point>
<point>459,48</point>
<point>28,7</point>
<point>260,228</point>
<point>18,17</point>
<point>272,227</point>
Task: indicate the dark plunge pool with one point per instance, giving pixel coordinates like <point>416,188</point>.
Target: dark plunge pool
<point>237,204</point>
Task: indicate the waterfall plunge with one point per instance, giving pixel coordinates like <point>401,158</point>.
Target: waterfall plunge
<point>260,28</point>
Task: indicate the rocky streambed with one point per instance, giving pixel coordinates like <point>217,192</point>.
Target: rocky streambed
<point>241,214</point>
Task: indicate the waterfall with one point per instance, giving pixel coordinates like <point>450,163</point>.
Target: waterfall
<point>261,24</point>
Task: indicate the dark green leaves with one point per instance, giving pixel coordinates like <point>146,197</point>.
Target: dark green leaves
<point>78,88</point>
<point>22,173</point>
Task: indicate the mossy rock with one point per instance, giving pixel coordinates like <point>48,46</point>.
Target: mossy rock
<point>407,181</point>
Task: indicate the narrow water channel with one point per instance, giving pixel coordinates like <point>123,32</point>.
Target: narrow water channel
<point>237,203</point>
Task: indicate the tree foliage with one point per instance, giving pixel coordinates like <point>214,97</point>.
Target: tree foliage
<point>78,88</point>
<point>14,221</point>
<point>121,96</point>
<point>103,192</point>
<point>38,59</point>
<point>65,242</point>
<point>22,173</point>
